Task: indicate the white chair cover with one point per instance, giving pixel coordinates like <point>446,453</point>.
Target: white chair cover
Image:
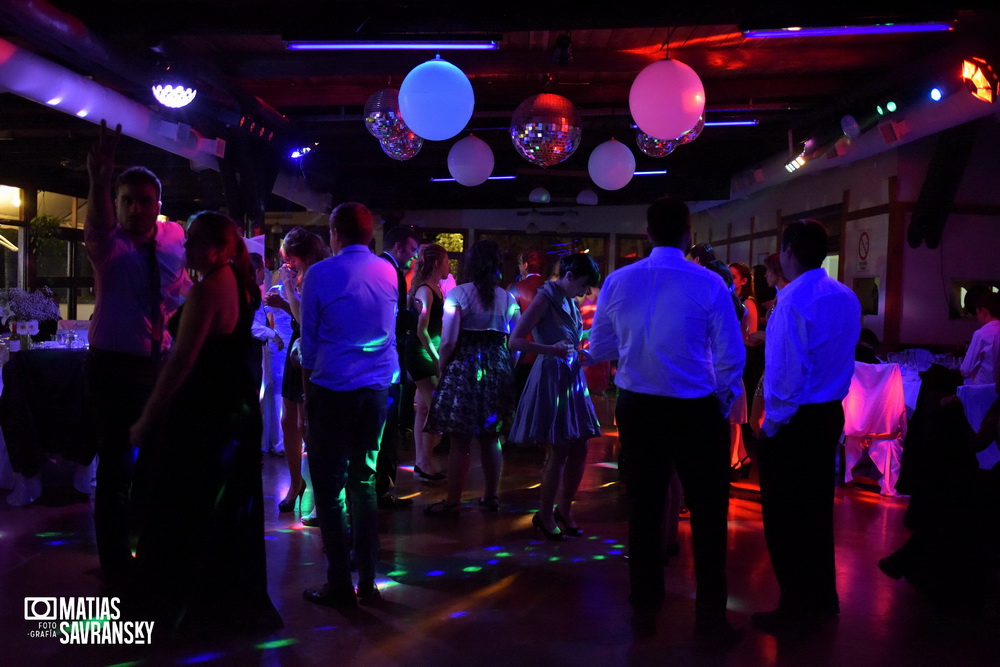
<point>874,405</point>
<point>977,399</point>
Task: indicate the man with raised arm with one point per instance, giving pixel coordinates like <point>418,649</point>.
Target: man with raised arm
<point>139,281</point>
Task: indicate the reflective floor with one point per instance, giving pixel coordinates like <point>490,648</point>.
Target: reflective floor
<point>481,589</point>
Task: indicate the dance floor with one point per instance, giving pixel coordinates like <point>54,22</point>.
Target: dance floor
<point>481,589</point>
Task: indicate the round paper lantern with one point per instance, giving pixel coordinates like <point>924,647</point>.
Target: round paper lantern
<point>382,117</point>
<point>402,146</point>
<point>539,196</point>
<point>546,129</point>
<point>611,165</point>
<point>470,161</point>
<point>666,99</point>
<point>587,198</point>
<point>436,100</point>
<point>654,147</point>
<point>693,133</point>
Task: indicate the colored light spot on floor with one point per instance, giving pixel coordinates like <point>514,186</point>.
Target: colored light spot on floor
<point>472,568</point>
<point>553,559</point>
<point>278,643</point>
<point>503,554</point>
<point>492,562</point>
<point>493,548</point>
<point>435,573</point>
<point>396,573</point>
<point>204,657</point>
<point>458,614</point>
<point>598,557</point>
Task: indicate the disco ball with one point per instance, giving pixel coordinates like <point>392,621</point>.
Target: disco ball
<point>654,147</point>
<point>693,133</point>
<point>546,129</point>
<point>402,146</point>
<point>382,116</point>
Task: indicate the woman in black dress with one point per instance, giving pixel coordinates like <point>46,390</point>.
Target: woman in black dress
<point>200,556</point>
<point>422,351</point>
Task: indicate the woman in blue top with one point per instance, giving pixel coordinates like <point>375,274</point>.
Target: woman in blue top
<point>555,408</point>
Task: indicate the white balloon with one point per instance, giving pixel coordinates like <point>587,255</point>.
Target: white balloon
<point>611,165</point>
<point>436,100</point>
<point>539,196</point>
<point>470,161</point>
<point>587,198</point>
<point>666,99</point>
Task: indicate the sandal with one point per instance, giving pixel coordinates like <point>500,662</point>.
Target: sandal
<point>442,508</point>
<point>490,503</point>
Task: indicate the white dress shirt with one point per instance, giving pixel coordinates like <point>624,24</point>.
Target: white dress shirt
<point>349,321</point>
<point>809,355</point>
<point>123,305</point>
<point>981,360</point>
<point>670,324</point>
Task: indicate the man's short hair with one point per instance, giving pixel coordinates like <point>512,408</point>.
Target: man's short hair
<point>668,220</point>
<point>138,176</point>
<point>398,234</point>
<point>353,223</point>
<point>990,301</point>
<point>808,240</point>
<point>533,259</point>
<point>704,252</point>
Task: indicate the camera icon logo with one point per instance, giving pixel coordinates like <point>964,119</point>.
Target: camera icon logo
<point>40,609</point>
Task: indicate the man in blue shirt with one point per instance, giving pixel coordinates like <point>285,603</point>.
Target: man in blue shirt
<point>809,362</point>
<point>348,363</point>
<point>680,357</point>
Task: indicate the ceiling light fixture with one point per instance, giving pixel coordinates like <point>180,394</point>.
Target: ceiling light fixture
<point>842,31</point>
<point>980,79</point>
<point>410,45</point>
<point>173,91</point>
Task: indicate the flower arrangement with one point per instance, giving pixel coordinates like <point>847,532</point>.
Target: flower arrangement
<point>19,305</point>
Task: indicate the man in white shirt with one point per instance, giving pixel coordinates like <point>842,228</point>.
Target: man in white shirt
<point>983,355</point>
<point>680,358</point>
<point>348,363</point>
<point>809,361</point>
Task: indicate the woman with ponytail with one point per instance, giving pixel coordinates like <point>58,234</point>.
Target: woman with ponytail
<point>422,356</point>
<point>200,556</point>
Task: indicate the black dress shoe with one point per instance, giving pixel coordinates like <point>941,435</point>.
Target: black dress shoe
<point>786,625</point>
<point>717,635</point>
<point>341,598</point>
<point>388,502</point>
<point>368,593</point>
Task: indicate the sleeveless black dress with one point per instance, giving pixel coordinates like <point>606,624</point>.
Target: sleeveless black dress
<point>200,556</point>
<point>418,360</point>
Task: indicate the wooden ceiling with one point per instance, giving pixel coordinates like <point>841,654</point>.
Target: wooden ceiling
<point>794,88</point>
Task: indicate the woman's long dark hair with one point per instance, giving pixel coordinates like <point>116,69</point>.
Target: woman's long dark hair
<point>225,233</point>
<point>485,268</point>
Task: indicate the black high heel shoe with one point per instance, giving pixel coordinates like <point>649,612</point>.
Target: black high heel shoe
<point>288,504</point>
<point>536,521</point>
<point>572,531</point>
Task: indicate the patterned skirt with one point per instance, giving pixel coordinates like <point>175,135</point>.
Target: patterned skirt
<point>474,395</point>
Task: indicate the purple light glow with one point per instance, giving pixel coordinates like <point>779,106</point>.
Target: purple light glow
<point>840,31</point>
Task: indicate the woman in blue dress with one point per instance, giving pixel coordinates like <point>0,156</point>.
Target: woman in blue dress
<point>555,408</point>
